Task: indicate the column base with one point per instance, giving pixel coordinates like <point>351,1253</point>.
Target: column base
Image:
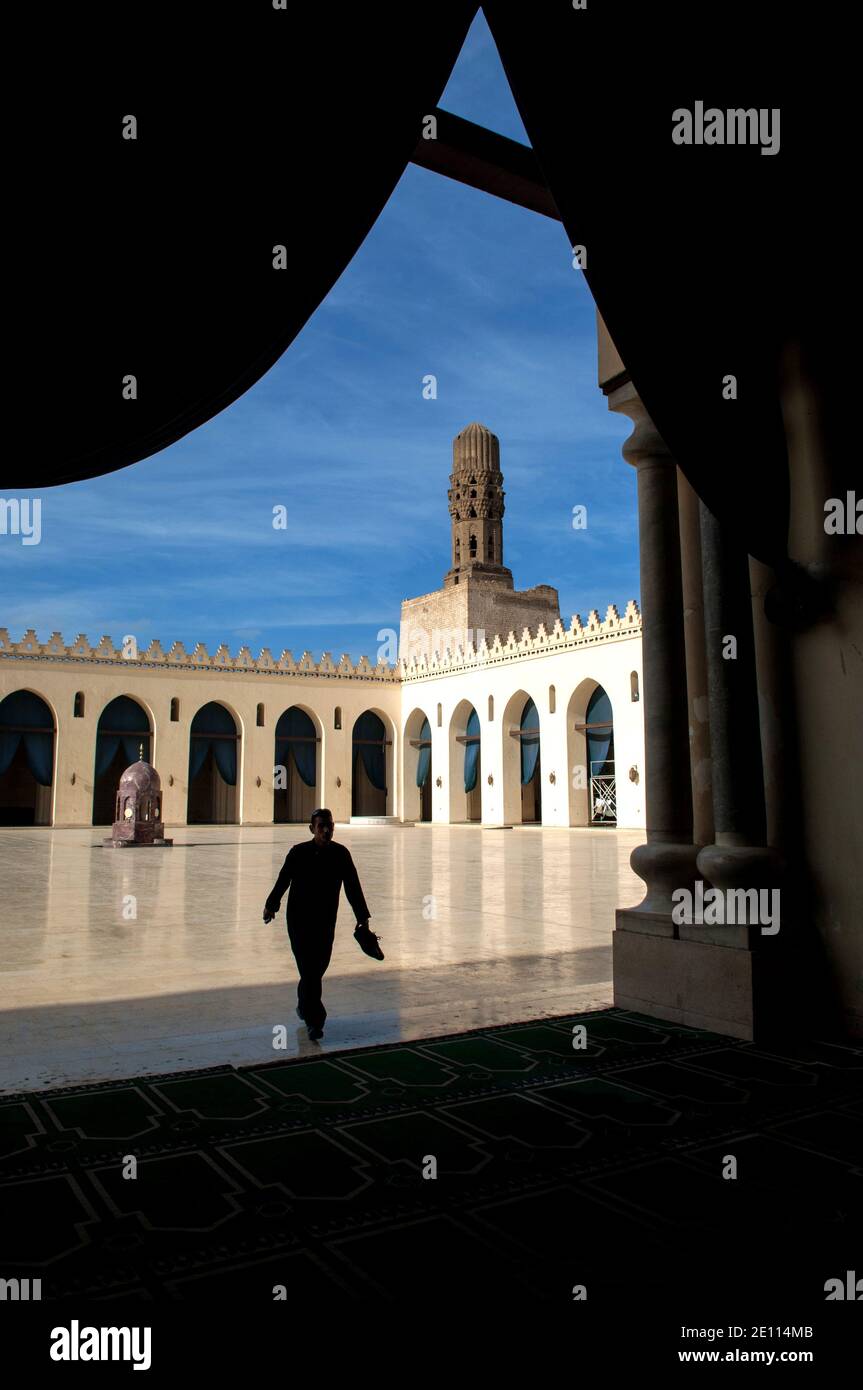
<point>665,865</point>
<point>742,993</point>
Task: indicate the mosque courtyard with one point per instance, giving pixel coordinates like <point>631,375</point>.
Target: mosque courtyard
<point>136,962</point>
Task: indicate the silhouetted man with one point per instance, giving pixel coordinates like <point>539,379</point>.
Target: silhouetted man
<point>316,871</point>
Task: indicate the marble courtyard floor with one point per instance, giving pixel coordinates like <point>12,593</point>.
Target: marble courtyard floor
<point>136,962</point>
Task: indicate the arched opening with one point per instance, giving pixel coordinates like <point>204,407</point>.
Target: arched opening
<point>259,721</point>
<point>123,736</point>
<point>633,686</point>
<point>175,710</point>
<point>465,765</point>
<point>522,763</point>
<point>337,722</point>
<point>295,781</point>
<point>599,730</point>
<point>590,754</point>
<point>531,765</point>
<point>424,770</point>
<point>552,699</point>
<point>214,746</point>
<point>26,759</point>
<point>417,758</point>
<point>371,763</point>
<point>78,705</point>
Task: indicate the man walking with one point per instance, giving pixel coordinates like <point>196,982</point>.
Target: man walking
<point>316,871</point>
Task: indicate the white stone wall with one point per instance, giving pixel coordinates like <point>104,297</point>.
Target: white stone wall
<point>445,700</point>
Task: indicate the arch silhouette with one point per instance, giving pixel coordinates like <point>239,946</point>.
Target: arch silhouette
<point>373,764</point>
<point>124,733</point>
<point>298,750</point>
<point>416,762</point>
<point>465,806</point>
<point>521,806</point>
<point>28,736</point>
<point>215,766</point>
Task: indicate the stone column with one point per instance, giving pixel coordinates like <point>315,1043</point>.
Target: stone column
<point>738,858</point>
<point>775,671</point>
<point>667,861</point>
<point>696,663</point>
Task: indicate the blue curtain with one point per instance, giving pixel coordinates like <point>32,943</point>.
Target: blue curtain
<point>23,708</point>
<point>370,726</point>
<point>117,722</point>
<point>529,747</point>
<point>213,719</point>
<point>600,742</point>
<point>8,748</point>
<point>198,750</point>
<point>225,753</point>
<point>295,724</point>
<point>106,749</point>
<point>424,759</point>
<point>471,753</point>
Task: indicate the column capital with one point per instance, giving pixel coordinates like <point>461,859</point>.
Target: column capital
<point>645,445</point>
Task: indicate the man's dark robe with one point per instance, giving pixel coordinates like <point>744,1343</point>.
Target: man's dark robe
<point>315,875</point>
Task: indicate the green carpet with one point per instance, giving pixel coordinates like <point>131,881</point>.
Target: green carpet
<point>555,1167</point>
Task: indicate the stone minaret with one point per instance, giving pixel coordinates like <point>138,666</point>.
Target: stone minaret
<point>478,598</point>
<point>476,507</point>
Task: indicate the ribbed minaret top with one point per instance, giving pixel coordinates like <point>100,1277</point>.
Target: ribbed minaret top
<point>476,446</point>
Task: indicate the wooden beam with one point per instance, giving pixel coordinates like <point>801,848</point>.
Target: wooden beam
<point>482,159</point>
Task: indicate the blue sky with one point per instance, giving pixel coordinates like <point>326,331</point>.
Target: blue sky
<point>449,281</point>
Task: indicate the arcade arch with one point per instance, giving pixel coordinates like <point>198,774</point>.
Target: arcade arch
<point>465,764</point>
<point>27,738</point>
<point>590,756</point>
<point>123,736</point>
<point>372,765</point>
<point>418,767</point>
<point>297,763</point>
<point>522,761</point>
<point>215,747</point>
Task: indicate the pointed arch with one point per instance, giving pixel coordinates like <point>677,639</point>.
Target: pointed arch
<point>214,779</point>
<point>521,736</point>
<point>297,763</point>
<point>27,754</point>
<point>590,755</point>
<point>372,764</point>
<point>124,734</point>
<point>417,759</point>
<point>465,764</point>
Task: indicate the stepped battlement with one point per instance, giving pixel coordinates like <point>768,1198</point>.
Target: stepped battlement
<point>499,648</point>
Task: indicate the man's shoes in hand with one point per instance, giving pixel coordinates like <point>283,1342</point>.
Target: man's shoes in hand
<point>368,941</point>
<point>315,1034</point>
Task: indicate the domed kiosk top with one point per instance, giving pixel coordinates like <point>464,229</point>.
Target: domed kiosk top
<point>141,777</point>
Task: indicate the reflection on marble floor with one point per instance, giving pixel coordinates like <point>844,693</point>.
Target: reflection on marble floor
<point>128,962</point>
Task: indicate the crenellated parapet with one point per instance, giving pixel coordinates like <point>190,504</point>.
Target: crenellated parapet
<point>177,658</point>
<point>539,642</point>
<point>530,644</point>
